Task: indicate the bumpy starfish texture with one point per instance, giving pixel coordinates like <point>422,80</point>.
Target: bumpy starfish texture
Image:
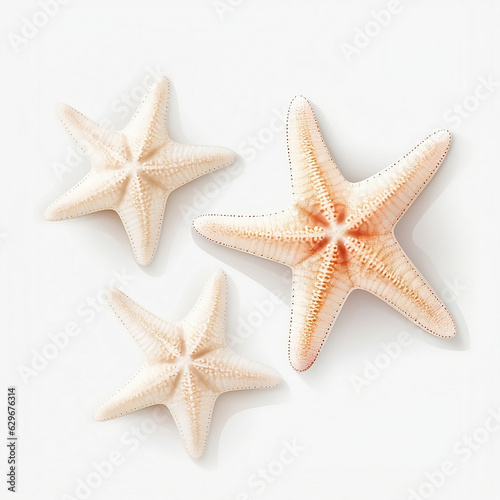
<point>188,364</point>
<point>134,170</point>
<point>338,236</point>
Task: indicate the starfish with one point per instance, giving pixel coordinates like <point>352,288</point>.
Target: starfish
<point>338,236</point>
<point>134,170</point>
<point>188,364</point>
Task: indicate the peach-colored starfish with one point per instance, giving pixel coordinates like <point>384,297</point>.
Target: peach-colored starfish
<point>338,236</point>
<point>188,364</point>
<point>134,170</point>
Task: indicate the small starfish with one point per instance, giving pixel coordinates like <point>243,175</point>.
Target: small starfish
<point>134,170</point>
<point>338,236</point>
<point>188,364</point>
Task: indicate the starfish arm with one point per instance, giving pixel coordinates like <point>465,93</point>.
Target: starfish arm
<point>204,325</point>
<point>142,210</point>
<point>320,287</point>
<point>316,181</point>
<point>159,340</point>
<point>150,386</point>
<point>223,370</point>
<point>191,407</point>
<point>103,147</point>
<point>99,190</point>
<point>385,197</point>
<point>284,237</point>
<point>380,266</point>
<point>177,164</point>
<point>147,130</point>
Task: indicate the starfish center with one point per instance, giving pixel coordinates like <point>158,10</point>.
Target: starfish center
<point>335,232</point>
<point>184,362</point>
<point>133,167</point>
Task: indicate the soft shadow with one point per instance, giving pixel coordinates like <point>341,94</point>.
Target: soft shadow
<point>108,223</point>
<point>404,232</point>
<point>231,403</point>
<point>276,277</point>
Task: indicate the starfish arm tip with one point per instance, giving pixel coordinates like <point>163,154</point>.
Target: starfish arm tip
<point>216,284</point>
<point>449,330</point>
<point>114,294</point>
<point>442,135</point>
<point>163,82</point>
<point>144,258</point>
<point>58,211</point>
<point>219,156</point>
<point>275,378</point>
<point>268,377</point>
<point>161,77</point>
<point>219,276</point>
<point>144,251</point>
<point>228,154</point>
<point>299,100</point>
<point>74,122</point>
<point>65,111</point>
<point>195,452</point>
<point>160,84</point>
<point>202,225</point>
<point>102,413</point>
<point>300,365</point>
<point>118,300</point>
<point>442,324</point>
<point>299,103</point>
<point>215,228</point>
<point>50,214</point>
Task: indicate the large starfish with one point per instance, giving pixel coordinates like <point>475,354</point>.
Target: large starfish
<point>188,364</point>
<point>338,236</point>
<point>134,170</point>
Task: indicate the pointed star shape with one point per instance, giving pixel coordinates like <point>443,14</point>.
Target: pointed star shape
<point>134,170</point>
<point>338,236</point>
<point>188,364</point>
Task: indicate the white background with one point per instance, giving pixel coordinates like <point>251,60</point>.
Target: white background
<point>231,73</point>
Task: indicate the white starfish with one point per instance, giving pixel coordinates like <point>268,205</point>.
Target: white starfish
<point>338,236</point>
<point>188,364</point>
<point>134,170</point>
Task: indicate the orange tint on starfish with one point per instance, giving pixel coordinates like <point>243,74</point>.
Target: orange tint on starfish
<point>338,236</point>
